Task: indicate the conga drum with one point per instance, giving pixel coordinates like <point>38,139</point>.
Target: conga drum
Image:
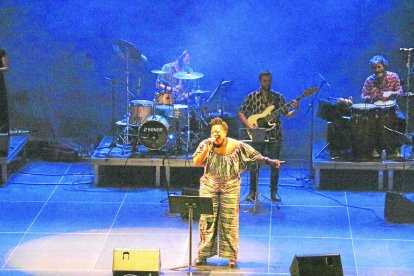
<point>387,127</point>
<point>363,131</point>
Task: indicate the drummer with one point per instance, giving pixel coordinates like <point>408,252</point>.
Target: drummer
<point>178,87</point>
<point>383,85</point>
<point>382,88</point>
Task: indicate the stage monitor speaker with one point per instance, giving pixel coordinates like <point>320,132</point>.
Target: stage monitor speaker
<point>321,265</point>
<point>398,208</point>
<point>136,262</point>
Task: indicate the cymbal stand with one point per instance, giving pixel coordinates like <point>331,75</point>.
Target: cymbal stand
<point>177,148</point>
<point>178,143</point>
<point>188,124</point>
<point>311,109</point>
<point>113,142</point>
<point>199,134</point>
<point>126,139</point>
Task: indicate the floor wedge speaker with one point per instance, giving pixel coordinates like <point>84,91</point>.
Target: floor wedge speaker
<point>398,208</point>
<point>320,265</point>
<point>136,262</point>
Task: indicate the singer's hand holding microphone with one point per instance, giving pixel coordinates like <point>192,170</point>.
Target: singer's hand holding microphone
<point>209,142</point>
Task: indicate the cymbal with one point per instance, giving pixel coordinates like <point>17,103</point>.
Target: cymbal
<point>180,106</point>
<point>159,72</point>
<point>188,75</point>
<point>127,49</point>
<point>200,91</point>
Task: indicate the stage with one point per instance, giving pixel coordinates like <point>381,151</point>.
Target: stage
<point>53,211</point>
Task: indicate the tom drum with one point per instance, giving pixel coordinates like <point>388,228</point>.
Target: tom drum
<point>140,111</point>
<point>164,98</point>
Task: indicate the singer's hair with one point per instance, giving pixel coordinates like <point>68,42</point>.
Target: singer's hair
<point>378,59</point>
<point>219,121</point>
<point>181,57</point>
<point>264,73</point>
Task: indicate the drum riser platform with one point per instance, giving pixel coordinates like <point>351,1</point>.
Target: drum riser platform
<point>391,174</point>
<point>118,165</point>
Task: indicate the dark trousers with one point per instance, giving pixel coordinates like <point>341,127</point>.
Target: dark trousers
<point>273,151</point>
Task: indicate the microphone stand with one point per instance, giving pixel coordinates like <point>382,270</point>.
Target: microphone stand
<point>312,109</point>
<point>408,65</point>
<point>113,143</point>
<point>407,94</point>
<point>188,125</point>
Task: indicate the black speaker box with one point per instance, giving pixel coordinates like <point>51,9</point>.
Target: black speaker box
<point>320,265</point>
<point>398,208</point>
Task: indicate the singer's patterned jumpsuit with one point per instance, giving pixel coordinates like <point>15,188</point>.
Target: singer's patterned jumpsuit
<point>221,181</point>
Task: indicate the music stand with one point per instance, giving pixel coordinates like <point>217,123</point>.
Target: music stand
<point>257,135</point>
<point>216,102</point>
<point>187,204</point>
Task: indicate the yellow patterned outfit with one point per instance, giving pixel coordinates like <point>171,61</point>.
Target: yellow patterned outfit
<point>221,181</point>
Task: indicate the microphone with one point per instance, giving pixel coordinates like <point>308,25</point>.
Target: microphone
<point>324,80</point>
<point>406,49</point>
<point>209,141</point>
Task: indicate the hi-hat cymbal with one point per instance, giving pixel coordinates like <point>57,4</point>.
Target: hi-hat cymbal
<point>200,91</point>
<point>126,49</point>
<point>188,75</point>
<point>159,72</point>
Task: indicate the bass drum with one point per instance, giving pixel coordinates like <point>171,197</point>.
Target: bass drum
<point>154,134</point>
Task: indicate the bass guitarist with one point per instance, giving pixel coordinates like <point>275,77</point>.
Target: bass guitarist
<point>256,103</point>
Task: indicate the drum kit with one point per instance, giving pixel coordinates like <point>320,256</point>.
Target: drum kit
<point>161,124</point>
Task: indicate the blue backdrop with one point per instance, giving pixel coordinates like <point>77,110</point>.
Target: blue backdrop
<point>61,51</point>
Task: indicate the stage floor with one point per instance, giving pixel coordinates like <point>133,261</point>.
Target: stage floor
<point>56,222</point>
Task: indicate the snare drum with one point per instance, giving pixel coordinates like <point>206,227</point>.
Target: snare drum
<point>164,98</point>
<point>177,111</point>
<point>140,110</point>
<point>180,111</point>
<point>363,130</point>
<point>154,134</point>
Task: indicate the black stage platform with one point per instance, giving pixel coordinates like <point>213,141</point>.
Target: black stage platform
<point>165,168</point>
<point>158,167</point>
<point>394,173</point>
<point>16,146</point>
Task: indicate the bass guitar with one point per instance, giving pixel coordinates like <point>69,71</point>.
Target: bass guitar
<point>267,117</point>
